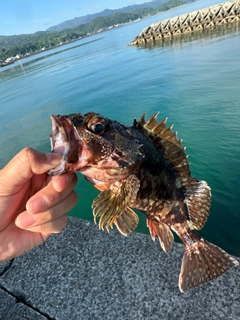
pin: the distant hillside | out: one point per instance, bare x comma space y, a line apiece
26, 44
73, 23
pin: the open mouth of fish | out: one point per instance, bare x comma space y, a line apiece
64, 142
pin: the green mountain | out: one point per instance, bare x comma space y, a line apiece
73, 23
26, 44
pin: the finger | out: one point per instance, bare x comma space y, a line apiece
26, 163
55, 226
48, 196
34, 222
60, 182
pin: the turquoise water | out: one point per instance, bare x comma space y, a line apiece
195, 82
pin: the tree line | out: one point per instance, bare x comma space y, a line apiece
10, 46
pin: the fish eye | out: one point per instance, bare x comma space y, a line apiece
98, 125
98, 128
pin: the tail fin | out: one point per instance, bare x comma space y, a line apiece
203, 262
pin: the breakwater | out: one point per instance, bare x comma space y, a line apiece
217, 15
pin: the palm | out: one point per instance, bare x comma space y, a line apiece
32, 204
21, 240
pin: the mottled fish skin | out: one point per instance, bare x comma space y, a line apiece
143, 167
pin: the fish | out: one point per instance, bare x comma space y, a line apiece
143, 167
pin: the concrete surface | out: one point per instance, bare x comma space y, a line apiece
84, 273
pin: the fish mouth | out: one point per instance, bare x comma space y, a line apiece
63, 142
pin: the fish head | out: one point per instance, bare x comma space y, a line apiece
99, 148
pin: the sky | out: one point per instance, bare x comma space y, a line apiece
29, 16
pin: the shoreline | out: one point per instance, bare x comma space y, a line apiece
4, 64
97, 32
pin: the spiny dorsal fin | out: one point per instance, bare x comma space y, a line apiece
198, 194
167, 142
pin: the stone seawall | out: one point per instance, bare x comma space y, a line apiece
207, 18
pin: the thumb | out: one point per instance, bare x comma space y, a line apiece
22, 167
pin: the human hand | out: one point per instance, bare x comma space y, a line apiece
33, 205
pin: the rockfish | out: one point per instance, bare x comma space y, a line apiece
144, 167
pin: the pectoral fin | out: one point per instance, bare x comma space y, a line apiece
112, 206
127, 221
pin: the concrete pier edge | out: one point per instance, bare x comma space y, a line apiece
85, 273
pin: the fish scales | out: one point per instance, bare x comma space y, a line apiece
144, 167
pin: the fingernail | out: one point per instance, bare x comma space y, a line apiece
54, 158
37, 205
25, 220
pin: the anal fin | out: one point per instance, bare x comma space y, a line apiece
162, 231
203, 262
